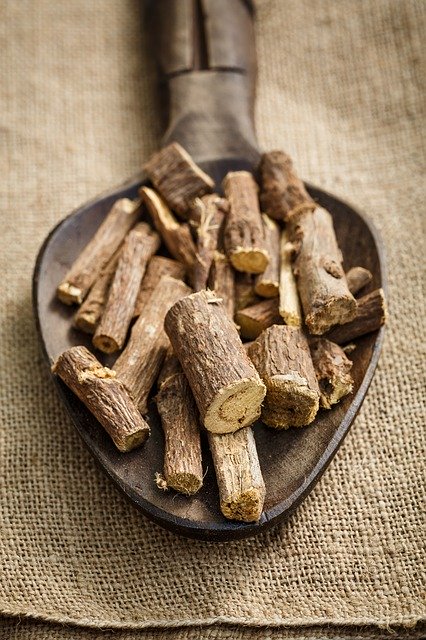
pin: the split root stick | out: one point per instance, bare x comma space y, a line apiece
208, 214
289, 298
221, 281
177, 237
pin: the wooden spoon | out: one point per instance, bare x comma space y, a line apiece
208, 61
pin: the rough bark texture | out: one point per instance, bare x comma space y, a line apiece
255, 319
282, 358
225, 384
177, 237
238, 474
90, 312
141, 360
208, 215
157, 267
171, 366
332, 369
244, 241
358, 278
178, 179
245, 295
268, 282
282, 191
371, 314
140, 244
323, 290
179, 416
221, 281
104, 395
290, 310
99, 250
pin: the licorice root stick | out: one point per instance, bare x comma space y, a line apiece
139, 245
268, 282
258, 317
180, 420
282, 192
321, 281
208, 214
244, 235
157, 267
104, 395
371, 314
177, 237
90, 312
357, 278
221, 281
332, 368
139, 364
282, 358
178, 179
238, 474
245, 295
225, 384
290, 310
96, 254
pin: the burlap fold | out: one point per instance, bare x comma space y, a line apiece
340, 90
20, 629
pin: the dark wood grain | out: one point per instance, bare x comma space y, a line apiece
291, 461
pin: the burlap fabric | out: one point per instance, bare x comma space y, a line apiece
339, 89
20, 629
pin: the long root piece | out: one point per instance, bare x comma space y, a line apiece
321, 281
244, 235
225, 384
179, 417
140, 362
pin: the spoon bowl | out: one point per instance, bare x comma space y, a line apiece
292, 461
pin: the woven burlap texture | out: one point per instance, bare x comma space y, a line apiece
339, 89
30, 629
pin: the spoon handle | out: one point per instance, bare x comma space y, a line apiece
206, 56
